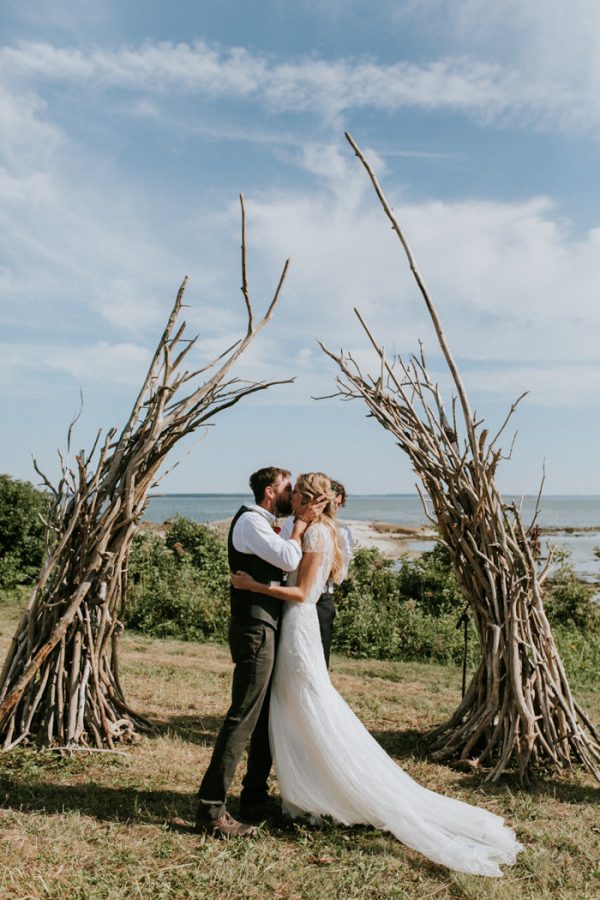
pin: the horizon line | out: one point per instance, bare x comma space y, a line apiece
354, 494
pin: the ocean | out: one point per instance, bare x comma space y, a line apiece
575, 520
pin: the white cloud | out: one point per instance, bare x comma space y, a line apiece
510, 280
74, 251
552, 49
74, 236
113, 364
26, 138
574, 386
521, 285
463, 83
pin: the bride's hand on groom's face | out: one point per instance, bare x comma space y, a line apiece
310, 511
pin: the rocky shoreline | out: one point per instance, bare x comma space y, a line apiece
395, 541
392, 540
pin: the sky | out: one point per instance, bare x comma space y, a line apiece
128, 131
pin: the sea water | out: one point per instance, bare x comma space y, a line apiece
575, 518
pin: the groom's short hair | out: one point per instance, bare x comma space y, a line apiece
261, 480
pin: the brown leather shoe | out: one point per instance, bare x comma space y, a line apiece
225, 827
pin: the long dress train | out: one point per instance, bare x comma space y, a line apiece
327, 763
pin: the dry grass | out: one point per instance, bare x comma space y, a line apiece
100, 825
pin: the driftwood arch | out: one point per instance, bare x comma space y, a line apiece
518, 709
60, 681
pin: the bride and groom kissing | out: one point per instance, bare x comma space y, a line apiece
285, 710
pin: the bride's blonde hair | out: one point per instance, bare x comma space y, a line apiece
317, 484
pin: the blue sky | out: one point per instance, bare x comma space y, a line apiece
128, 130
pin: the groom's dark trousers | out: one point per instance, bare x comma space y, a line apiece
252, 641
326, 614
252, 645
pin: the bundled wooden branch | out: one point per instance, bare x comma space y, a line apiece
60, 681
518, 709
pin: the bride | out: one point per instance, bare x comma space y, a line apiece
326, 761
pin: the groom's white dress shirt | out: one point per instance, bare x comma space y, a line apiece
346, 543
254, 533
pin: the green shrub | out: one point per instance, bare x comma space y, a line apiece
179, 586
409, 611
203, 548
579, 650
569, 601
22, 545
430, 581
399, 632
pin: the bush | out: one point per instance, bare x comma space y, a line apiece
430, 582
179, 586
580, 652
407, 612
204, 549
22, 545
570, 600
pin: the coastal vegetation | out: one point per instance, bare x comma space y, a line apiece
22, 507
126, 817
409, 610
178, 587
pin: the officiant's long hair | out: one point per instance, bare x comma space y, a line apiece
316, 484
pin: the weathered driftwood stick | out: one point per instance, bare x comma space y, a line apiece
518, 709
60, 683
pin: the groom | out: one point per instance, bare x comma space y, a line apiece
254, 546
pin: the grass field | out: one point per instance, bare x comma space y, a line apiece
108, 825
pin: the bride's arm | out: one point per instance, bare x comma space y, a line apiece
307, 573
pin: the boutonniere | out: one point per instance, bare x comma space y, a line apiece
275, 527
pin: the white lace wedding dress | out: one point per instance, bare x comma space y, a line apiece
327, 763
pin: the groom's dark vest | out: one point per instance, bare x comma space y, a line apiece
247, 603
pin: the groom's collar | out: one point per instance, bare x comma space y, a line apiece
253, 507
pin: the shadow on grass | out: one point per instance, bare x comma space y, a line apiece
542, 785
196, 729
401, 744
130, 806
118, 804
327, 835
203, 730
413, 744
566, 791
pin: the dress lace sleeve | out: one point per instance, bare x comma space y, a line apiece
314, 539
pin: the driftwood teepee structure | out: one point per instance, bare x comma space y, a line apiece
518, 709
60, 681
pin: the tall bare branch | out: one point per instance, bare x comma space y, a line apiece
518, 709
60, 683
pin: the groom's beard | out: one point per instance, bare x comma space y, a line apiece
283, 506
